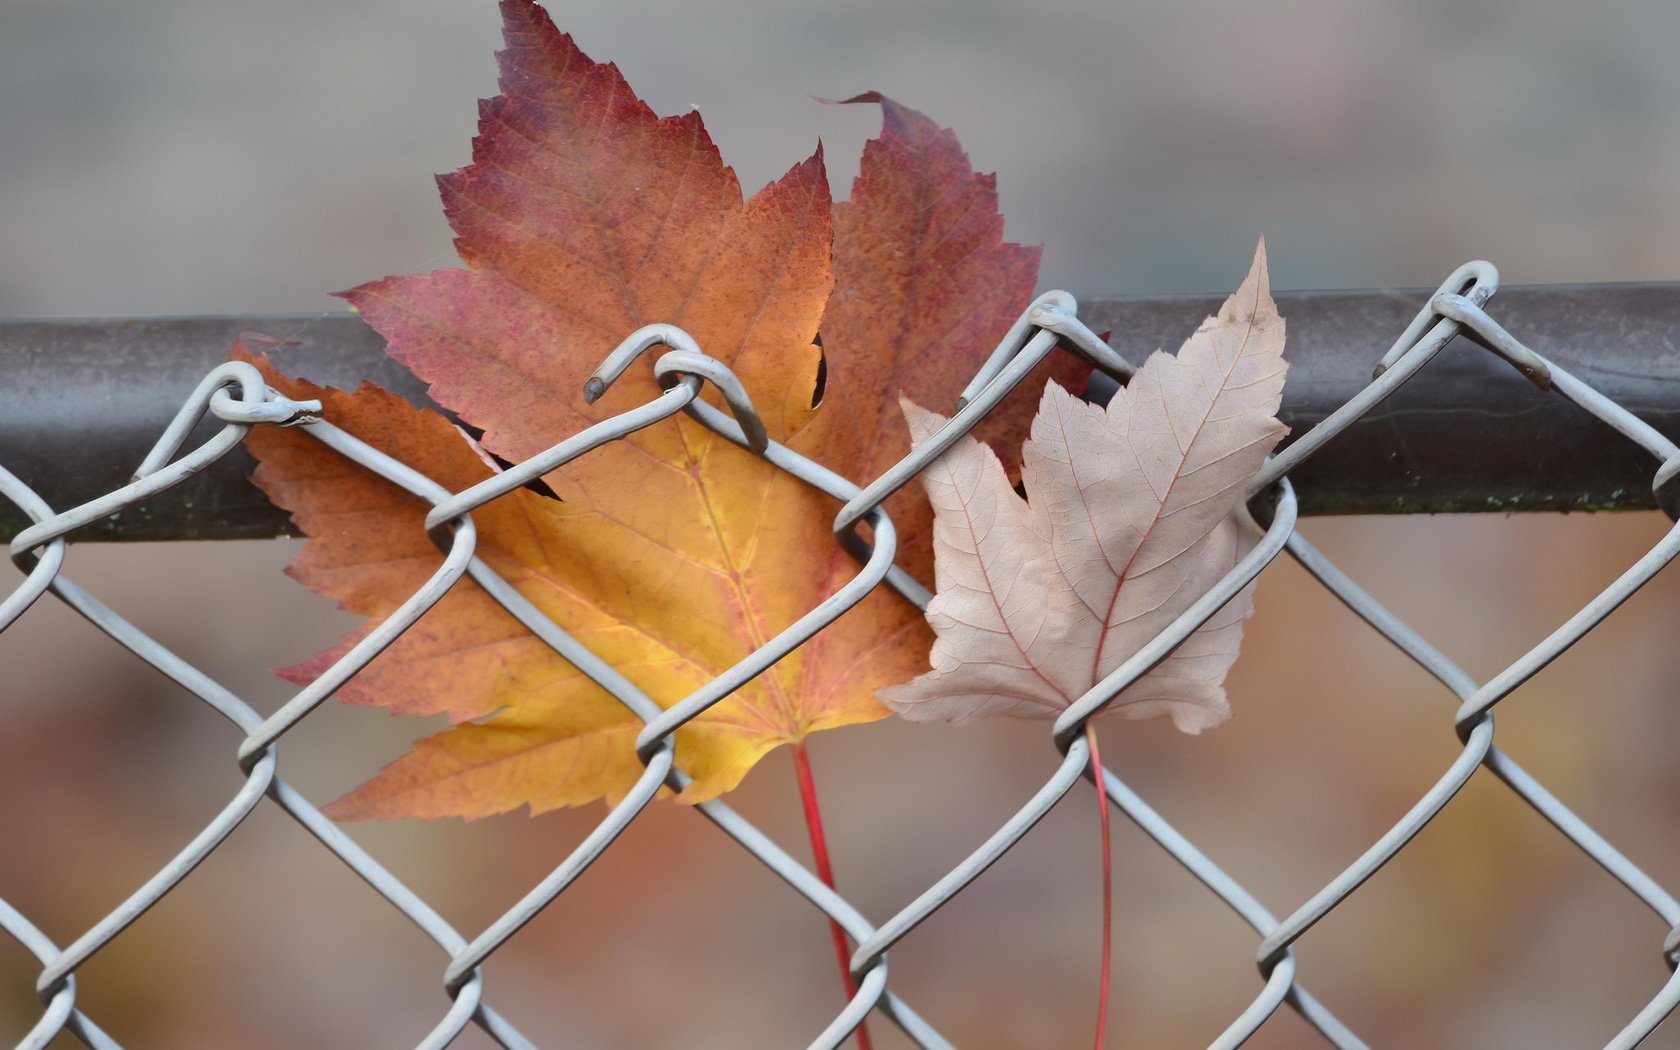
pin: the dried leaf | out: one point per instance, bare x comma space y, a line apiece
548, 735
924, 287
1133, 513
674, 554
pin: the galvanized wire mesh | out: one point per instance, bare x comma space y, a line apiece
234, 394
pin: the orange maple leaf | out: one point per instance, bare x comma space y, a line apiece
672, 553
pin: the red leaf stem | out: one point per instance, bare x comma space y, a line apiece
825, 872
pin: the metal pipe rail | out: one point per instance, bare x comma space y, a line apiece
1467, 434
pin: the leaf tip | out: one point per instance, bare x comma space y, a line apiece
866, 96
923, 422
1259, 271
355, 297
347, 809
1192, 719
254, 344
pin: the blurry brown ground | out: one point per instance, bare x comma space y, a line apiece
180, 157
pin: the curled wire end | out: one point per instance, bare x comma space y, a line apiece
1489, 334
758, 439
753, 434
206, 398
1049, 313
1056, 313
277, 410
298, 413
1474, 282
625, 354
683, 358
673, 365
1665, 488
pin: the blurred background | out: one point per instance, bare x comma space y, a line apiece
184, 156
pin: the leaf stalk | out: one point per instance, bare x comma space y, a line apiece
1107, 884
825, 872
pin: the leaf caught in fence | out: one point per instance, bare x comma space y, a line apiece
1132, 513
673, 553
924, 286
547, 735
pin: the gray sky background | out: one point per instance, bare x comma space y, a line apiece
193, 156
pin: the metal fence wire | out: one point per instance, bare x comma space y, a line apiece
235, 394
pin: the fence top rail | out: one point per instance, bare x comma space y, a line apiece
81, 400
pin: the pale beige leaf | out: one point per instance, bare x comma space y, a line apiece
1001, 612
1135, 511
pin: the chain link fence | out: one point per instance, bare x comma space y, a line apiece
235, 395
